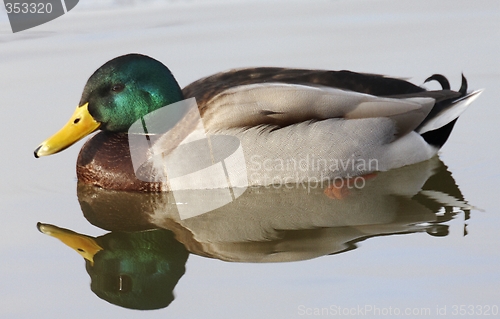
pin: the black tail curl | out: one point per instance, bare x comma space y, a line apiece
440, 136
445, 84
441, 79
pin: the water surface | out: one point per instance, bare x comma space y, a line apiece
389, 246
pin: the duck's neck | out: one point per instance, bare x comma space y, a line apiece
166, 93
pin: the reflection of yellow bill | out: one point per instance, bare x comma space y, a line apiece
79, 125
82, 244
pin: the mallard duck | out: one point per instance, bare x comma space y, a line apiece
327, 122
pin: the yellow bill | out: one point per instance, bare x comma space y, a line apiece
82, 244
79, 125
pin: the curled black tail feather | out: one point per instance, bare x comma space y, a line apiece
463, 87
445, 84
439, 136
441, 79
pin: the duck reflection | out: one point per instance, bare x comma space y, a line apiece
136, 270
150, 235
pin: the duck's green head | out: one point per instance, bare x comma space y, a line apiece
118, 94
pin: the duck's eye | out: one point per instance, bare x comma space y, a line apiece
116, 88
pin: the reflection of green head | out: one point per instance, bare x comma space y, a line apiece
137, 270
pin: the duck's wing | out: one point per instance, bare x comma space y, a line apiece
373, 84
280, 97
280, 105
